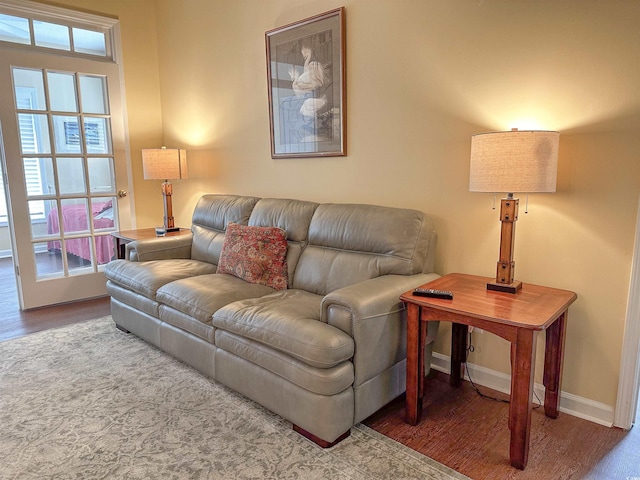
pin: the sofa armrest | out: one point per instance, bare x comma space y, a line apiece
161, 248
372, 313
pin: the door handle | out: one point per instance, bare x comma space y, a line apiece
122, 193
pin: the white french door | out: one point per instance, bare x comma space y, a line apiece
62, 129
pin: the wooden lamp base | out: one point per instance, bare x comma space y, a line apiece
506, 266
512, 287
167, 193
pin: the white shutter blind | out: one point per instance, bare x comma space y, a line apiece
3, 201
32, 174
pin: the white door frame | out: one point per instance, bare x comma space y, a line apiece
629, 385
124, 176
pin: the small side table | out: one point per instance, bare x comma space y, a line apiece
126, 236
515, 317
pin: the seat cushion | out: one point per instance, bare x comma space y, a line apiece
323, 381
146, 278
199, 297
288, 321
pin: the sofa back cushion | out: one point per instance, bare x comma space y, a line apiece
351, 243
292, 216
210, 219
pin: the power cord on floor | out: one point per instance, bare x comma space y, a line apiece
471, 349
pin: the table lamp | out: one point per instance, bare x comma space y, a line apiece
165, 164
523, 161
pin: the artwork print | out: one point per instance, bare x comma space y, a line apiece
305, 67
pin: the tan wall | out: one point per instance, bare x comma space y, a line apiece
422, 77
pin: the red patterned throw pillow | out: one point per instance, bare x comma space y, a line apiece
255, 254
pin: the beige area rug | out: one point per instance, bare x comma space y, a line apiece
90, 402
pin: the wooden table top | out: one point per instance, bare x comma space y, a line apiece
534, 307
146, 233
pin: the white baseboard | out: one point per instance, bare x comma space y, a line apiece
570, 404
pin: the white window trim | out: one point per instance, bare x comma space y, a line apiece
39, 10
65, 16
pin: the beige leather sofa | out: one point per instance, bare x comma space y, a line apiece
326, 352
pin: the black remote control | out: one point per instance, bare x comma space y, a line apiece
430, 292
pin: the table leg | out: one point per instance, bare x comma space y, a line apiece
415, 358
553, 356
459, 334
120, 248
424, 326
521, 390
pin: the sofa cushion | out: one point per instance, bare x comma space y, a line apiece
349, 244
132, 299
199, 297
293, 216
210, 219
288, 321
146, 278
185, 323
323, 381
256, 255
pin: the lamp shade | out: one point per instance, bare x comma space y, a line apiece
515, 161
164, 163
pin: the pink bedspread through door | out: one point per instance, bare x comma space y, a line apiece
74, 219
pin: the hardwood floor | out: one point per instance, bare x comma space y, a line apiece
459, 428
470, 434
15, 323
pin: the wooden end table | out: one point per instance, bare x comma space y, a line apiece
515, 317
123, 237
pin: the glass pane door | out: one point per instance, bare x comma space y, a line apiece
66, 152
63, 137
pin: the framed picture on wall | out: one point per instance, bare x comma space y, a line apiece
306, 81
